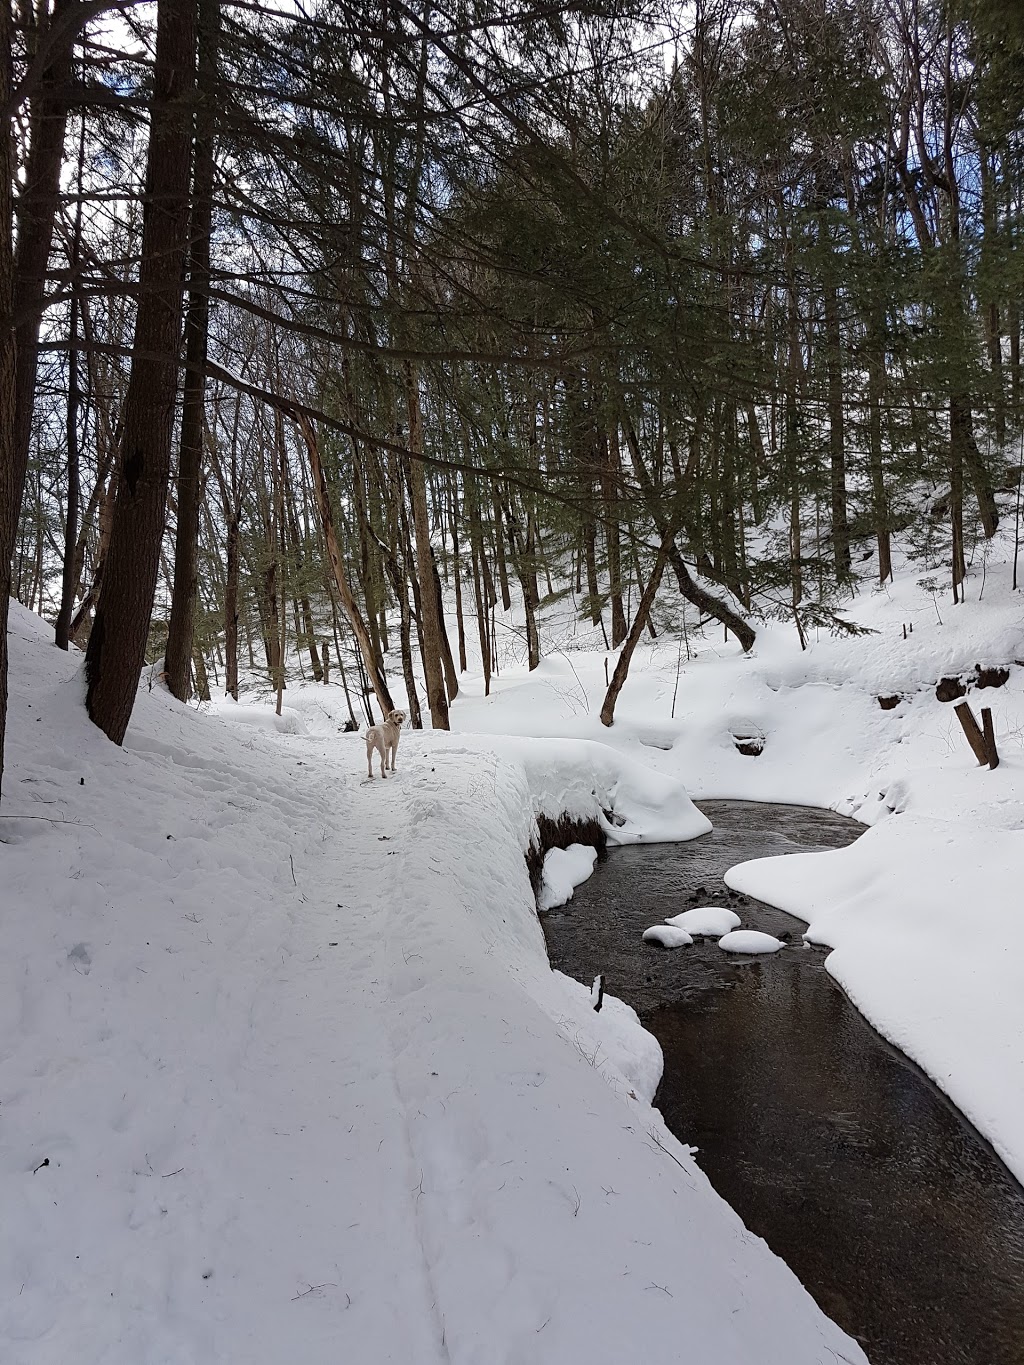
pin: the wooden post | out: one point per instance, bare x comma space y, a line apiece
990, 737
975, 738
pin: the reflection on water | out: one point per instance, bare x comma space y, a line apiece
892, 1210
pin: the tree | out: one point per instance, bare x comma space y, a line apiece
117, 645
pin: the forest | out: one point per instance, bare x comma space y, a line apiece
319, 317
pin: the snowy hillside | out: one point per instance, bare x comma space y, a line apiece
285, 1074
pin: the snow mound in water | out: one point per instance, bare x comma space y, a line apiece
667, 936
750, 941
564, 869
712, 921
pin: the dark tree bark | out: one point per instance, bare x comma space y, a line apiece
181, 626
430, 616
117, 645
836, 432
961, 425
62, 626
36, 210
9, 506
640, 619
879, 501
609, 473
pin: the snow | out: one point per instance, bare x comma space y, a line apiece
292, 1050
564, 870
289, 722
707, 921
749, 941
285, 1073
667, 937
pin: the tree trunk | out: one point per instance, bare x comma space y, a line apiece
373, 669
499, 548
961, 429
836, 434
453, 511
430, 618
231, 612
643, 612
879, 505
36, 210
117, 645
609, 474
451, 678
9, 506
183, 598
62, 628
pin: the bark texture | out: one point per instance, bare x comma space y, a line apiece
117, 645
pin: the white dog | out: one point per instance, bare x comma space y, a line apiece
384, 738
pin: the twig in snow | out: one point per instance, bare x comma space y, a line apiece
50, 819
313, 1288
652, 1134
45, 1162
291, 860
664, 1289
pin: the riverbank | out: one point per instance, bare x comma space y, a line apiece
891, 1208
923, 912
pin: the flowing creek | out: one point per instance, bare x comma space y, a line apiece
831, 1145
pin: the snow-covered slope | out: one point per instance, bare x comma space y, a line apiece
284, 1073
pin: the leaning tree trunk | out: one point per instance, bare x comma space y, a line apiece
117, 645
641, 618
705, 602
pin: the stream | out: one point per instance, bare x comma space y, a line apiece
833, 1146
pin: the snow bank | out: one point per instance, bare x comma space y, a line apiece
587, 780
564, 870
289, 722
928, 942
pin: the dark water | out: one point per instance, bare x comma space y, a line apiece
831, 1145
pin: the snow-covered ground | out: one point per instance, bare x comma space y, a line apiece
287, 1041
284, 1073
